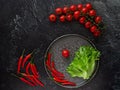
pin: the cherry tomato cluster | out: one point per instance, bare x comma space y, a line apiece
85, 14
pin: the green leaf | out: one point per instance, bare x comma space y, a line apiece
83, 63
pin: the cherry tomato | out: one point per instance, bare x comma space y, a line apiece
69, 17
62, 18
79, 6
88, 24
52, 17
93, 28
66, 10
73, 8
88, 6
58, 11
92, 12
65, 53
76, 14
98, 19
82, 20
97, 33
84, 10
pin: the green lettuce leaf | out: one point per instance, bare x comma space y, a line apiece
83, 63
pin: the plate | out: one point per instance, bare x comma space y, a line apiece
72, 42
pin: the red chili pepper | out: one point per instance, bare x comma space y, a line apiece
69, 83
48, 66
24, 80
55, 70
58, 74
60, 80
25, 59
30, 77
27, 68
49, 59
35, 70
31, 66
20, 62
38, 81
54, 75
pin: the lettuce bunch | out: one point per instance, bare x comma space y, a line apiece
83, 63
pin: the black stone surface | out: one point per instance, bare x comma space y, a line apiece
25, 24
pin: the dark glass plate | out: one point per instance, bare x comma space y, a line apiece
72, 42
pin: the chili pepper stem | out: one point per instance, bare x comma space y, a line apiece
23, 52
14, 75
31, 61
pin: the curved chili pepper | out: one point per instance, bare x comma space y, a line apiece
20, 62
38, 81
55, 70
25, 59
35, 70
68, 83
30, 77
31, 66
60, 80
27, 68
48, 66
58, 74
24, 80
49, 59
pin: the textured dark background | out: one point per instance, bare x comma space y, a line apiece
25, 24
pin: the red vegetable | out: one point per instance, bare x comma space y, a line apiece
38, 81
27, 68
25, 59
69, 17
88, 6
73, 8
20, 62
69, 83
52, 17
62, 18
30, 77
57, 75
34, 73
66, 10
60, 80
84, 10
80, 6
98, 19
58, 11
97, 33
93, 28
82, 20
88, 24
76, 14
49, 59
48, 66
65, 53
24, 80
92, 13
55, 70
35, 70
